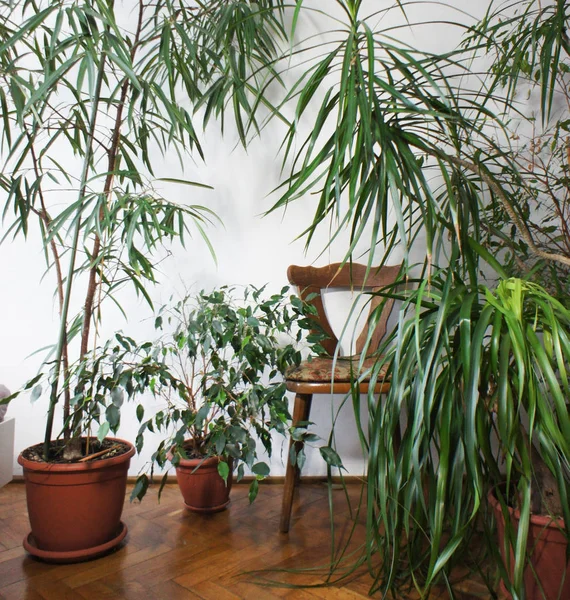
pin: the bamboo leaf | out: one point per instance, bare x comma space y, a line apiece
185, 182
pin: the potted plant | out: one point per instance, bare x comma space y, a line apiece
226, 354
492, 368
75, 505
409, 148
88, 98
480, 369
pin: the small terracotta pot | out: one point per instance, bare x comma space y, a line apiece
75, 509
202, 487
548, 557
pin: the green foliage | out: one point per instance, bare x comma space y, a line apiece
102, 381
529, 45
389, 124
226, 357
89, 97
416, 150
477, 375
441, 155
245, 39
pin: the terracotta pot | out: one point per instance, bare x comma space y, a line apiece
548, 557
202, 487
75, 509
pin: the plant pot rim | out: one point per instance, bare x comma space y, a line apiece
41, 466
540, 520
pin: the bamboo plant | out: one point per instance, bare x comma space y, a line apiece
92, 92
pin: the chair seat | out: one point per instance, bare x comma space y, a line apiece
320, 370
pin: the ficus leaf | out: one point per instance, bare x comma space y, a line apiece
301, 458
253, 490
117, 396
224, 470
103, 431
261, 469
140, 488
113, 416
331, 457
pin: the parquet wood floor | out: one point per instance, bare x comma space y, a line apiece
172, 554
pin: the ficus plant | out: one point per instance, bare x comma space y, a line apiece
225, 352
92, 91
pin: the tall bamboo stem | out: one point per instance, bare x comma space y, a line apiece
62, 338
107, 189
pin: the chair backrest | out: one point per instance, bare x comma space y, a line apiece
352, 276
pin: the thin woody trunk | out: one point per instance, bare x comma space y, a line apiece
66, 392
74, 450
62, 339
95, 281
47, 221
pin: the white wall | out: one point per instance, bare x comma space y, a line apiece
250, 249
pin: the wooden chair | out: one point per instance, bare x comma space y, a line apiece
316, 376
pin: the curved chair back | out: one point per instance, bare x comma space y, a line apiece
350, 276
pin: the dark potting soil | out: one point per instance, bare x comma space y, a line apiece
191, 452
115, 448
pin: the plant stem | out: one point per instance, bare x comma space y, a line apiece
60, 293
96, 267
107, 189
43, 214
503, 198
62, 338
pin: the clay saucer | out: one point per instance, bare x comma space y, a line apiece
74, 556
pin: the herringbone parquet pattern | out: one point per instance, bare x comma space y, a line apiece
172, 554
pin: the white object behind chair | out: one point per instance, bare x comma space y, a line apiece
4, 393
6, 441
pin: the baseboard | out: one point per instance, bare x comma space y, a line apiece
277, 480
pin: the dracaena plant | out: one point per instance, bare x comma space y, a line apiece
481, 378
226, 353
423, 153
91, 92
531, 52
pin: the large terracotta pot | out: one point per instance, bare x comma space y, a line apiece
75, 509
548, 557
202, 487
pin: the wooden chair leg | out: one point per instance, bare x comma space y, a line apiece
301, 411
